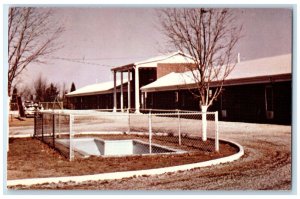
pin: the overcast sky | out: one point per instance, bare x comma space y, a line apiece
107, 37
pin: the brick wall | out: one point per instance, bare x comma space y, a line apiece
166, 68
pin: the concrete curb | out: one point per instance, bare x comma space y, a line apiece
21, 135
128, 174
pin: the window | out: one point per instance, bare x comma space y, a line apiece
269, 98
182, 99
269, 102
176, 96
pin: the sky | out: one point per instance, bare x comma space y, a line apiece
103, 38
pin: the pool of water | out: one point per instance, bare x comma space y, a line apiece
98, 147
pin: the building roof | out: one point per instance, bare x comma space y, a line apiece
94, 89
175, 57
281, 64
275, 68
172, 80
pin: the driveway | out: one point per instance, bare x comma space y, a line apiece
266, 165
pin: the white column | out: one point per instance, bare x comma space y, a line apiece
137, 90
115, 92
150, 132
145, 100
142, 100
122, 98
128, 90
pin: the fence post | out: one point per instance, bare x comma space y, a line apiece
53, 129
204, 122
179, 128
128, 115
58, 115
216, 131
71, 152
150, 132
42, 126
34, 131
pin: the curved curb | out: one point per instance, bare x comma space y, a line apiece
128, 174
21, 135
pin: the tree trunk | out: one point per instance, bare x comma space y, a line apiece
9, 88
8, 104
204, 122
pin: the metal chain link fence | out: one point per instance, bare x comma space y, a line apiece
52, 128
180, 130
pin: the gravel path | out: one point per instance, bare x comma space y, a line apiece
266, 165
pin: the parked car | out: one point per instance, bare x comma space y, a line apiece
31, 108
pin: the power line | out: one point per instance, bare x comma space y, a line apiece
110, 58
81, 62
85, 61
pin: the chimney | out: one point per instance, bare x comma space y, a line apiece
238, 58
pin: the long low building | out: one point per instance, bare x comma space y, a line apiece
255, 91
96, 96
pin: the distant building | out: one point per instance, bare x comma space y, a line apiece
95, 96
255, 91
117, 95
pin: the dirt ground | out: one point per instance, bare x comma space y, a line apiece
39, 160
20, 122
266, 165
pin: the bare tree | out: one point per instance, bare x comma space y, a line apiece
64, 91
26, 93
209, 37
40, 86
32, 35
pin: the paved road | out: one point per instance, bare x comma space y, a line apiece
21, 131
266, 165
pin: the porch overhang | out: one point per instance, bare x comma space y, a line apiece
124, 68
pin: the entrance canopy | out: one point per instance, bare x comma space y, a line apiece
176, 57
